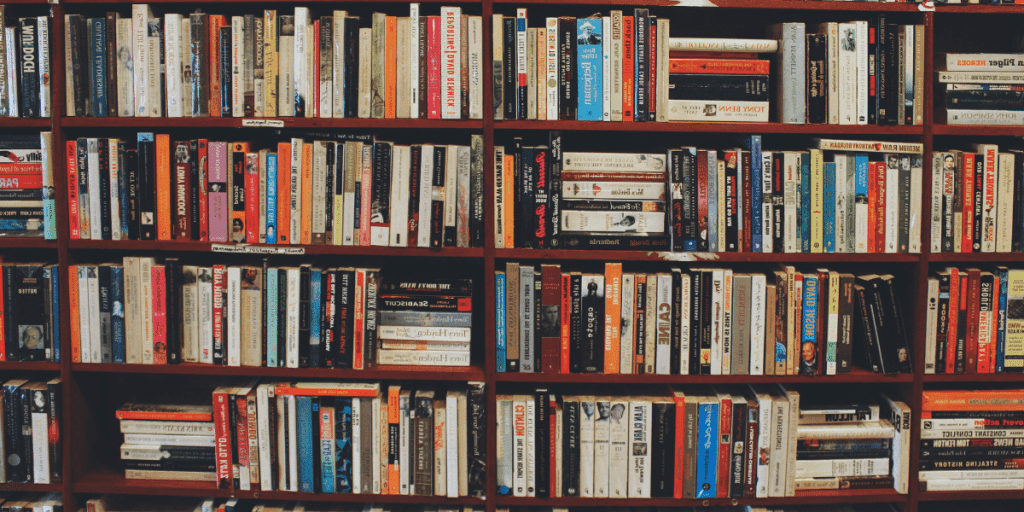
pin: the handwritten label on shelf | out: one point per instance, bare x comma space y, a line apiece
262, 123
256, 249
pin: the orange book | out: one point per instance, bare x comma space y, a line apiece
612, 315
164, 412
163, 186
969, 400
76, 334
509, 204
328, 389
237, 191
566, 321
307, 194
284, 190
390, 66
394, 417
216, 21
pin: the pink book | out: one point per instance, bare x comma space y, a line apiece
159, 315
252, 195
218, 191
433, 67
366, 180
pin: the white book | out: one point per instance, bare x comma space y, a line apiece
155, 71
140, 57
684, 323
451, 186
900, 415
295, 195
552, 68
717, 289
832, 32
519, 442
205, 314
69, 73
400, 168
791, 199
365, 52
639, 448
619, 455
663, 354
405, 469
185, 71
989, 187
531, 446
791, 441
96, 205
779, 423
426, 185
12, 73
602, 448
131, 309
661, 101
319, 203
146, 311
626, 327
848, 73
862, 70
840, 203
477, 73
293, 452
758, 317
451, 444
916, 190
587, 466
615, 65
43, 40
237, 58
338, 71
300, 60
286, 68
292, 319
767, 210
85, 333
233, 311
404, 79
764, 436
925, 476
932, 305
189, 314
937, 197
172, 55
973, 484
1004, 216
353, 164
95, 328
40, 437
115, 192
263, 434
842, 467
357, 445
451, 74
892, 203
606, 63
414, 62
125, 71
375, 418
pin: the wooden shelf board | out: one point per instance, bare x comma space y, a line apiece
26, 242
41, 366
969, 495
801, 498
420, 373
688, 127
340, 250
743, 4
236, 122
26, 487
976, 257
975, 377
857, 376
705, 257
986, 9
26, 122
980, 130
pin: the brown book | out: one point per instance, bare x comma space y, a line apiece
550, 328
821, 336
512, 316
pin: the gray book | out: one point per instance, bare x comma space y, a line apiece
851, 203
512, 317
791, 79
741, 297
366, 445
377, 66
526, 331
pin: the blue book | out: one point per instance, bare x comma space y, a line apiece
809, 324
753, 144
707, 450
304, 428
589, 64
343, 444
1001, 325
499, 321
805, 202
117, 312
712, 200
272, 293
52, 273
271, 198
829, 213
860, 199
98, 66
326, 453
315, 344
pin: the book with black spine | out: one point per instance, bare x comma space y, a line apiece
567, 68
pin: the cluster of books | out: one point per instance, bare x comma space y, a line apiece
971, 440
25, 67
142, 312
52, 502
838, 507
854, 73
976, 200
271, 65
326, 437
842, 196
31, 444
301, 191
27, 201
30, 312
696, 321
696, 443
121, 503
974, 321
984, 88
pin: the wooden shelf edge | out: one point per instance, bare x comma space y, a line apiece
705, 257
741, 4
26, 242
863, 377
697, 127
979, 130
802, 498
975, 377
26, 122
969, 495
339, 250
418, 373
28, 487
976, 257
289, 122
34, 366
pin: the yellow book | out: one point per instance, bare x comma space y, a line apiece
307, 194
163, 186
817, 201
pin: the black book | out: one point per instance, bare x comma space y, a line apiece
555, 189
110, 26
351, 91
476, 192
225, 73
893, 78
677, 315
329, 188
79, 63
415, 168
732, 196
146, 175
103, 147
567, 68
437, 202
1018, 196
194, 188
663, 447
778, 203
943, 315
897, 332
641, 38
540, 214
877, 324
13, 439
979, 200
691, 159
817, 82
28, 66
82, 148
696, 313
705, 323
422, 445
844, 349
380, 206
676, 210
233, 417
576, 324
328, 297
282, 317
131, 173
106, 333
476, 405
543, 444
522, 192
509, 33
570, 447
343, 310
264, 311
304, 271
317, 285
370, 314
738, 455
173, 282
592, 360
27, 313
56, 448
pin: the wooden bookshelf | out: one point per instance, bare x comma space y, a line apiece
84, 473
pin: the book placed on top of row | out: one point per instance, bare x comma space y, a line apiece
984, 88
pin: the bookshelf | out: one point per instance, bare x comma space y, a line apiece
87, 419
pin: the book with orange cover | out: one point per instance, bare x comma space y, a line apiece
394, 426
954, 317
163, 186
628, 59
216, 21
72, 163
76, 333
236, 233
390, 66
284, 190
350, 389
973, 400
307, 193
164, 412
699, 66
612, 315
566, 321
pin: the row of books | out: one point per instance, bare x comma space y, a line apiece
971, 440
142, 312
977, 200
30, 312
276, 65
974, 321
27, 200
325, 437
24, 66
859, 72
838, 507
52, 502
984, 88
122, 503
697, 321
841, 196
353, 190
698, 443
31, 444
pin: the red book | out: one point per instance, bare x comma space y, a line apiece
880, 205
219, 351
872, 204
973, 314
252, 192
566, 319
433, 67
357, 321
159, 315
954, 313
990, 364
550, 320
718, 66
241, 434
23, 180
284, 189
702, 200
725, 444
967, 200
221, 430
181, 193
204, 198
679, 474
72, 161
628, 70
747, 206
